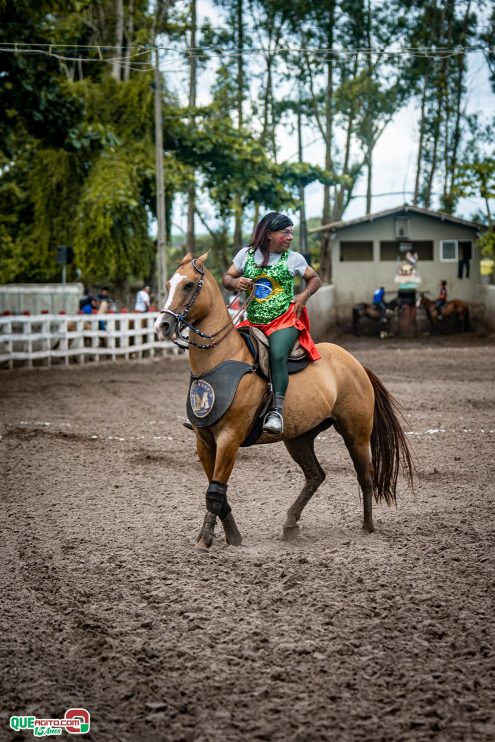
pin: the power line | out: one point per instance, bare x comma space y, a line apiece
50, 50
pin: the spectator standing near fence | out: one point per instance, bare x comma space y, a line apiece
104, 295
143, 300
87, 303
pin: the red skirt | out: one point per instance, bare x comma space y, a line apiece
289, 319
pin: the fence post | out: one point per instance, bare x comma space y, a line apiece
45, 343
110, 325
10, 344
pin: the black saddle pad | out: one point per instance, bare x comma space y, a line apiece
211, 394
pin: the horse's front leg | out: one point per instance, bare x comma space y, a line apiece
218, 459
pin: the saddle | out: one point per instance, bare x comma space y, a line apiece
258, 344
211, 394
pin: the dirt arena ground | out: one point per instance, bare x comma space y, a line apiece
338, 636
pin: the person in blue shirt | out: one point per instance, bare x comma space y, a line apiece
379, 303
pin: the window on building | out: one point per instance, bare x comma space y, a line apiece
356, 251
465, 250
402, 226
391, 250
448, 251
424, 248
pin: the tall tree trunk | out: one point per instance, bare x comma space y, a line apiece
130, 37
437, 121
325, 256
422, 125
191, 192
303, 237
447, 108
268, 135
256, 217
370, 144
340, 198
240, 119
440, 86
266, 96
369, 183
119, 39
461, 69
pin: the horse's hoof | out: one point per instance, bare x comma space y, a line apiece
367, 528
232, 534
234, 539
290, 533
201, 544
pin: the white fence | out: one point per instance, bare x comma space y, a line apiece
56, 338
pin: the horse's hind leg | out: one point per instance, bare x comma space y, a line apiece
302, 451
358, 447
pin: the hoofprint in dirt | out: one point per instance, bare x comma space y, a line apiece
337, 636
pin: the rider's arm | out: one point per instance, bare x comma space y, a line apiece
313, 281
312, 284
233, 280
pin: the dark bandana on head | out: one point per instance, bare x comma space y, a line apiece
279, 222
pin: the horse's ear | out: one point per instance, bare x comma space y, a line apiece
202, 258
186, 259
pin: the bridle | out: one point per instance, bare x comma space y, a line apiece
182, 323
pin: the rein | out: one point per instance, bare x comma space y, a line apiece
182, 323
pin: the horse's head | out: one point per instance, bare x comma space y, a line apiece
184, 296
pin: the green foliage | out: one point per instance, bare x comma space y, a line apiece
111, 219
77, 156
487, 244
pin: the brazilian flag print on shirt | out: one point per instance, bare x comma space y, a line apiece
274, 289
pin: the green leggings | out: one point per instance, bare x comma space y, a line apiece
281, 344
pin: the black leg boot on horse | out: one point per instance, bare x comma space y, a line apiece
217, 505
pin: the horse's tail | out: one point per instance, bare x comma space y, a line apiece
389, 446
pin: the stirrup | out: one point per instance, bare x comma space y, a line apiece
275, 425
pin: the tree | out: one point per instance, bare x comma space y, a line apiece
439, 78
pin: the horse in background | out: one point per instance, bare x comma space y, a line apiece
371, 311
333, 391
455, 308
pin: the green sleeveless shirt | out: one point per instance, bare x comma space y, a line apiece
274, 289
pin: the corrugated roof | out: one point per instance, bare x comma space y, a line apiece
405, 208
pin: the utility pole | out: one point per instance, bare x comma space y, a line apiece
160, 189
191, 191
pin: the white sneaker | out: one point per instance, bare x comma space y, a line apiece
273, 423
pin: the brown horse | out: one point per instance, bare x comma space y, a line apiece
455, 308
335, 390
370, 311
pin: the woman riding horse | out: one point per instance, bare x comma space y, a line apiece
333, 391
269, 265
455, 307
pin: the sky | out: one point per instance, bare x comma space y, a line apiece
394, 155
